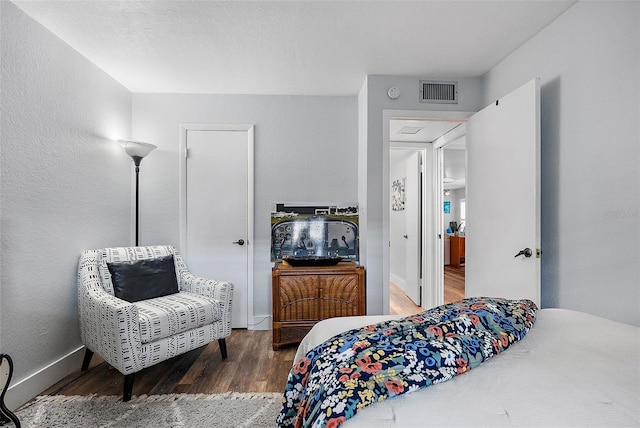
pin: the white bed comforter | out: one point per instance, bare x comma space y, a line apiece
572, 369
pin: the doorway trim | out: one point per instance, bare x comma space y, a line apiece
431, 295
182, 155
426, 151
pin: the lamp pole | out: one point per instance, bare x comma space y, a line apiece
137, 150
136, 161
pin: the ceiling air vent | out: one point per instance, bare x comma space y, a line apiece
432, 91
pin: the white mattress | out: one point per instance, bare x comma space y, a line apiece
572, 369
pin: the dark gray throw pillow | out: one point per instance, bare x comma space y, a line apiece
143, 279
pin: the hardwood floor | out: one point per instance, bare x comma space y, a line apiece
400, 304
453, 283
251, 366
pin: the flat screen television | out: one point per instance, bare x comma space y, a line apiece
318, 236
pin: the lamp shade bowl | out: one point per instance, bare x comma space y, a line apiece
137, 148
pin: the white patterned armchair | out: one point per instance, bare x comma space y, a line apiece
133, 336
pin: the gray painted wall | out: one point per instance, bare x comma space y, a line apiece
305, 151
588, 62
65, 187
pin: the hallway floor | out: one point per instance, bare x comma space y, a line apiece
401, 304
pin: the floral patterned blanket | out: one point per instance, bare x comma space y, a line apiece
363, 366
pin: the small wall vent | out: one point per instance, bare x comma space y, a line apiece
442, 92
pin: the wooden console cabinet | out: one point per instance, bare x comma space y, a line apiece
457, 251
304, 295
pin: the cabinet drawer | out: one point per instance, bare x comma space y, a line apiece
298, 298
339, 296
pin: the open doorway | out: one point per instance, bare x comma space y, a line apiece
409, 132
454, 219
406, 164
489, 135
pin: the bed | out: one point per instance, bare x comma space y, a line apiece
571, 369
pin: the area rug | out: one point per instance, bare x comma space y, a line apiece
157, 411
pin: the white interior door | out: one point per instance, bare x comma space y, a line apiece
503, 197
217, 235
413, 233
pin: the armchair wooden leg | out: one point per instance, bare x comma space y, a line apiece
223, 348
128, 387
88, 354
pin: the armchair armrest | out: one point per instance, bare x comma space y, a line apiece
108, 325
219, 290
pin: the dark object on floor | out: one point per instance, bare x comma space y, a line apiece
6, 371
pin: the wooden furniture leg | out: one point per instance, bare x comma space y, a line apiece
222, 343
128, 387
88, 354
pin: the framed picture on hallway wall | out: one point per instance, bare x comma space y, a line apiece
397, 194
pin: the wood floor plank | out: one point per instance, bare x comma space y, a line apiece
401, 304
454, 280
181, 369
197, 367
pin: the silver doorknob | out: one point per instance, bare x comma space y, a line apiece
526, 252
239, 242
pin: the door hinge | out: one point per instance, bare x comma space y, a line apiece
186, 152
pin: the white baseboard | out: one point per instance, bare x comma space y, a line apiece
260, 322
400, 282
30, 387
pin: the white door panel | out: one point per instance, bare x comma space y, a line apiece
217, 189
412, 235
503, 197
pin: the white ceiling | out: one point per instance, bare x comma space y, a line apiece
419, 130
289, 47
295, 47
455, 168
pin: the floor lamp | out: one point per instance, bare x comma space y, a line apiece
137, 150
